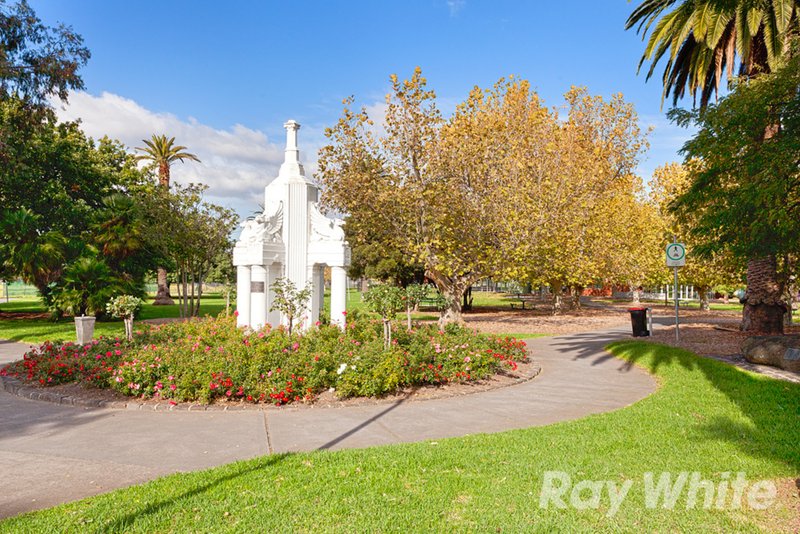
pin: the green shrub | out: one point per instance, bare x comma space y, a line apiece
207, 359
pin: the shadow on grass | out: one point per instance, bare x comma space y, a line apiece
772, 406
128, 520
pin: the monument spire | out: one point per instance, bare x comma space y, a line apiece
292, 153
291, 167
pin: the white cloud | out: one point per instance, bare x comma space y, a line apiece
236, 163
455, 6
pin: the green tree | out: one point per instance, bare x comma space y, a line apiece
190, 234
414, 295
87, 285
746, 192
37, 61
28, 252
289, 300
373, 257
163, 152
386, 301
705, 38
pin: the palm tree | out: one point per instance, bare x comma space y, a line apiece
701, 40
163, 152
706, 38
36, 257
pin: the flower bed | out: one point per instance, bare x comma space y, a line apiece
210, 359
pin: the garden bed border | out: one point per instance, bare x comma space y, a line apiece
18, 388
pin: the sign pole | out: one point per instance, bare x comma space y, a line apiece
676, 257
677, 328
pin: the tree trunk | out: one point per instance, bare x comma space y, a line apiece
467, 302
452, 289
763, 306
702, 292
575, 292
555, 288
162, 294
199, 295
128, 328
408, 317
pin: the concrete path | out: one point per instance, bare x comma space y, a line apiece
51, 454
11, 350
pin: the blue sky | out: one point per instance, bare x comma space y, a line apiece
224, 76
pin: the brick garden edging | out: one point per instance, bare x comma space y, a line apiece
16, 387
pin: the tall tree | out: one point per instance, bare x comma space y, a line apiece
163, 152
745, 194
37, 61
706, 38
401, 179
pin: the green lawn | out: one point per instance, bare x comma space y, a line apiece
38, 330
706, 417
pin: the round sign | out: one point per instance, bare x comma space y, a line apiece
676, 251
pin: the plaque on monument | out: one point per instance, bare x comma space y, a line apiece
256, 287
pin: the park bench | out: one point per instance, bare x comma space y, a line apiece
524, 298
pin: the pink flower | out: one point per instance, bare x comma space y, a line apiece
236, 313
173, 387
467, 359
295, 346
170, 377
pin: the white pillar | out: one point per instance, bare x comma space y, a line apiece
316, 293
258, 297
274, 272
321, 283
338, 295
243, 295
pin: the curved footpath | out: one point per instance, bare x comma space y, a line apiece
51, 453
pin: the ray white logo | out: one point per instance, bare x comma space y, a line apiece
684, 490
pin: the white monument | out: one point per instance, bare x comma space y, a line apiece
290, 239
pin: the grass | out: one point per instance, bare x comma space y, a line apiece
706, 416
38, 330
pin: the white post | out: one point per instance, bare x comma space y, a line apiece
313, 304
677, 322
338, 295
321, 282
258, 297
274, 272
243, 295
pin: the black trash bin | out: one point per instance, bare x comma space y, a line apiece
639, 322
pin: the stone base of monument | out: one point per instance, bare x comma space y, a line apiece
778, 351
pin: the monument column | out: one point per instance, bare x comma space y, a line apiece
338, 295
258, 297
243, 295
274, 272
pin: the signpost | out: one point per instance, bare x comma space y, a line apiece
676, 257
